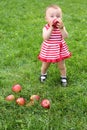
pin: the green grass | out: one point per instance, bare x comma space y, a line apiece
21, 23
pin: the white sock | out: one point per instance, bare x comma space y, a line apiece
63, 79
44, 74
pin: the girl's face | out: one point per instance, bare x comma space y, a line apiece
53, 13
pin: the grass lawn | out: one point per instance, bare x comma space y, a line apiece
21, 23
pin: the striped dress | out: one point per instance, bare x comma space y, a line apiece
55, 49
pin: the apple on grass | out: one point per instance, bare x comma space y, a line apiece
16, 88
20, 101
31, 103
10, 97
45, 103
35, 97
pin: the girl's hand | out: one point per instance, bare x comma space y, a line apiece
51, 24
60, 24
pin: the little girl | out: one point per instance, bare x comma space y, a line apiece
54, 48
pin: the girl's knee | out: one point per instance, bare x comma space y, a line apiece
45, 66
61, 64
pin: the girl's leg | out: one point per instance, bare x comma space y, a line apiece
44, 68
62, 68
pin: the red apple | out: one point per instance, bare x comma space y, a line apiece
20, 101
16, 88
31, 103
34, 97
45, 103
10, 97
55, 22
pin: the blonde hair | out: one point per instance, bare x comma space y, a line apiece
54, 6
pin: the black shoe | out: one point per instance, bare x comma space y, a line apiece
43, 77
64, 81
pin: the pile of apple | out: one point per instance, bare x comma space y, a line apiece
45, 103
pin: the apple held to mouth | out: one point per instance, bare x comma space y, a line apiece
45, 103
55, 22
20, 101
10, 97
16, 88
34, 97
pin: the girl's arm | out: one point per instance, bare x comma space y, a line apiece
46, 33
64, 32
62, 28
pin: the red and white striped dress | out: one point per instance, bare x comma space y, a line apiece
55, 49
